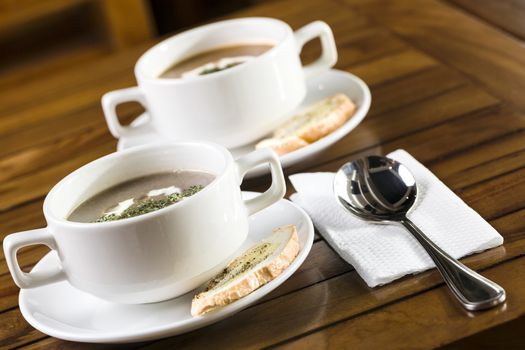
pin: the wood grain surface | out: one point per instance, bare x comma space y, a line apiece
447, 79
508, 15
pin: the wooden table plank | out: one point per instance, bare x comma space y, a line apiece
414, 87
507, 15
459, 168
500, 192
484, 53
318, 306
49, 65
429, 318
15, 331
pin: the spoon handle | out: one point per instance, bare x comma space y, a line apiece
473, 291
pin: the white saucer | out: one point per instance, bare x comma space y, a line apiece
319, 87
62, 311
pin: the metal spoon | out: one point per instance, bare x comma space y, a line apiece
381, 189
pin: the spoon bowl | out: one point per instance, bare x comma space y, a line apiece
381, 189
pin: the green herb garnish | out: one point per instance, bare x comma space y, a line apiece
149, 205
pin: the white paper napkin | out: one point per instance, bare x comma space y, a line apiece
382, 253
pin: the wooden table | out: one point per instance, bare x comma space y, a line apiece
447, 79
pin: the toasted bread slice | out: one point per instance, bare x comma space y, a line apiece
282, 145
318, 120
312, 124
254, 268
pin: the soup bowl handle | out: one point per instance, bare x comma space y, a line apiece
111, 100
16, 241
276, 190
328, 59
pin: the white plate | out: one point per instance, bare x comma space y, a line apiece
65, 312
321, 86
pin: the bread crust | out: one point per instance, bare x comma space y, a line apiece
283, 145
208, 301
318, 129
310, 125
